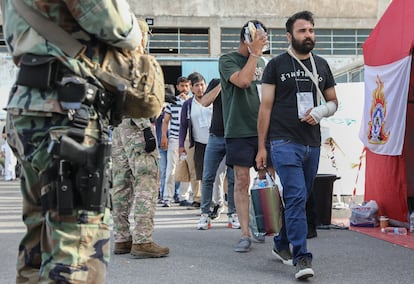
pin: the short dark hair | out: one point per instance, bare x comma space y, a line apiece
303, 15
255, 22
182, 79
195, 77
169, 89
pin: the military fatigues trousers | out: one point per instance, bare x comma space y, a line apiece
135, 182
67, 249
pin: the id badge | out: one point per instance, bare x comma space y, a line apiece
305, 102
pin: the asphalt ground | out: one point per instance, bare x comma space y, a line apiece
340, 256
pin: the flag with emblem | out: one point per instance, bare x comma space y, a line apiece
384, 127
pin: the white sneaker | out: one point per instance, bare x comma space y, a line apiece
204, 223
234, 221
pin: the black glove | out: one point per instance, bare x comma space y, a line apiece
150, 142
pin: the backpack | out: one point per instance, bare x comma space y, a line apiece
139, 75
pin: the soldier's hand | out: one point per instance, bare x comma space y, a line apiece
150, 142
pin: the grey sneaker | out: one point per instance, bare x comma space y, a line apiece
304, 269
284, 256
243, 245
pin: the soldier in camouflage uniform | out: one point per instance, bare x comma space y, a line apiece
70, 247
135, 186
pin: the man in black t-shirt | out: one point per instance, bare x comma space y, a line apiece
294, 84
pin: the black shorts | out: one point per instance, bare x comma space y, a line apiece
242, 152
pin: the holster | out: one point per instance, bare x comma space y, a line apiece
82, 176
79, 177
65, 191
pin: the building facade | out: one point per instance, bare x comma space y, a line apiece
190, 35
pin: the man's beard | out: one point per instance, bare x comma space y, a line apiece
303, 48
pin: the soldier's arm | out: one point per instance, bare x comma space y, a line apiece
111, 21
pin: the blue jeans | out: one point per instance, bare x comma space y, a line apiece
214, 154
296, 166
163, 170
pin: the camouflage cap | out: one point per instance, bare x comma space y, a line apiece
143, 26
145, 32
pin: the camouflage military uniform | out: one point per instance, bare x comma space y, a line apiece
135, 182
72, 248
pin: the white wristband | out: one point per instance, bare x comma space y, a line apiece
322, 111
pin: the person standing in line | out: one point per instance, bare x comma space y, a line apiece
195, 121
162, 155
240, 75
169, 98
135, 183
135, 180
293, 85
169, 139
67, 238
214, 155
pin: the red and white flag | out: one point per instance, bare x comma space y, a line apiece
383, 120
387, 59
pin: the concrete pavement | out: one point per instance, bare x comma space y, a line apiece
340, 256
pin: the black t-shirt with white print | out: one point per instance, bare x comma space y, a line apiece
288, 76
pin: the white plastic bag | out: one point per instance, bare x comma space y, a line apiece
365, 214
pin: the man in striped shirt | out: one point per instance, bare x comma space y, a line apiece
171, 125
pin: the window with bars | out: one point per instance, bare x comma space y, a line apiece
186, 41
329, 41
341, 41
196, 41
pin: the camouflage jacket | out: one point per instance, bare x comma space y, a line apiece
96, 23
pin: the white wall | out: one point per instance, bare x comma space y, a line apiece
234, 13
7, 75
344, 127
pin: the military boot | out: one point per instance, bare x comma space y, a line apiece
148, 250
123, 247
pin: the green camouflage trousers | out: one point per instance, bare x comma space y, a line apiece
135, 183
55, 249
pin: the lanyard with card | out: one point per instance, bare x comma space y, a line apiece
312, 75
305, 103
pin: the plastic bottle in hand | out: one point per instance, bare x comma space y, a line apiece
259, 183
261, 29
412, 222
